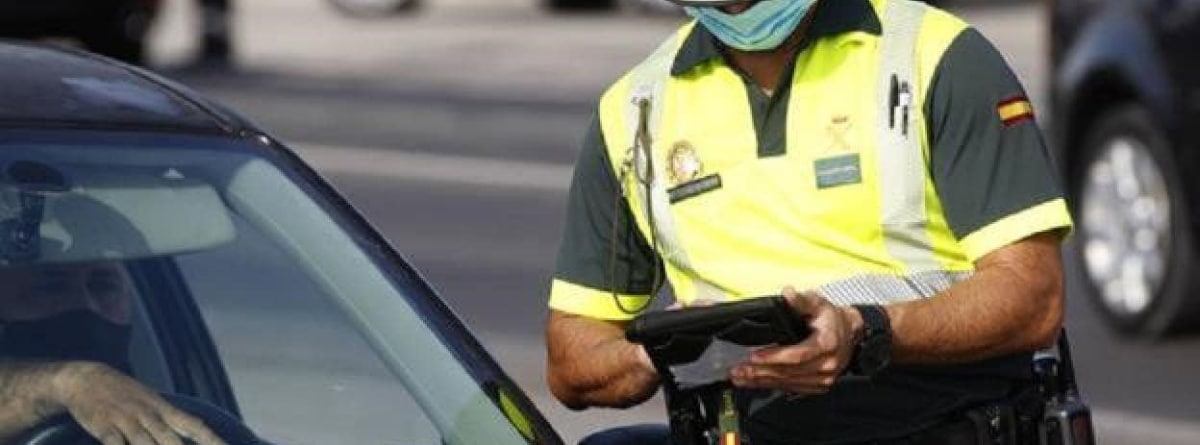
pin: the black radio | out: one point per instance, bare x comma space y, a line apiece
1065, 419
1067, 423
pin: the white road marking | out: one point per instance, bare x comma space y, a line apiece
1115, 427
380, 162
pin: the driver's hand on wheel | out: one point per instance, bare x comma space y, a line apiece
118, 410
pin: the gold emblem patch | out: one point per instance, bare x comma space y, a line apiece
839, 133
684, 163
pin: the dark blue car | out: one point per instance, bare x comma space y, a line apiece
1126, 109
260, 300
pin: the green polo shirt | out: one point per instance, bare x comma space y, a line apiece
988, 161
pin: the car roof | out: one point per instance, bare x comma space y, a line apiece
49, 86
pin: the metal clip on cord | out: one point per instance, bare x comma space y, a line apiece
643, 143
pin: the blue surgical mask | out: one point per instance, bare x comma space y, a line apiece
763, 27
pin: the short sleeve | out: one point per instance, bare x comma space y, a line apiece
602, 252
988, 159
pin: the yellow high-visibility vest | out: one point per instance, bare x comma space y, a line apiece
850, 208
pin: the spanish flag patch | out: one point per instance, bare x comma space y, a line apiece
1015, 110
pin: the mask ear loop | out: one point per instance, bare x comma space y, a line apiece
642, 144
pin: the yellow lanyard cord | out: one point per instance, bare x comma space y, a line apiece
641, 143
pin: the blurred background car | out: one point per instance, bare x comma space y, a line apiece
605, 5
255, 289
115, 28
374, 8
1126, 100
645, 5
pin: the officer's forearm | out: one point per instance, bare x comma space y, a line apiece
27, 395
1013, 303
589, 363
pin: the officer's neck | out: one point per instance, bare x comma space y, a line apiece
766, 68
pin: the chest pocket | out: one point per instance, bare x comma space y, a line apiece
832, 145
766, 204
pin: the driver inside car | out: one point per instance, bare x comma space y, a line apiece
64, 340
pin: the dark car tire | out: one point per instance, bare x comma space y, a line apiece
579, 5
1158, 248
375, 8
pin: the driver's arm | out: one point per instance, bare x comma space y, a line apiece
589, 363
112, 407
25, 395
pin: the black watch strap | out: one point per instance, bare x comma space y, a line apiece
874, 353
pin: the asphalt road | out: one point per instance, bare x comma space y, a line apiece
454, 132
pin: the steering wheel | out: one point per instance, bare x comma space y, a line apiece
64, 430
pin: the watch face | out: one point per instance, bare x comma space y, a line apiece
875, 351
875, 355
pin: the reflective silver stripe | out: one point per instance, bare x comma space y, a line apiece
887, 289
648, 82
901, 160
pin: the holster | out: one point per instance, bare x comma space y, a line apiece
995, 424
685, 413
1013, 421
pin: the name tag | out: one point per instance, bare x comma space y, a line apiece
838, 170
693, 188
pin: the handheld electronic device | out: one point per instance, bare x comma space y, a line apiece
682, 336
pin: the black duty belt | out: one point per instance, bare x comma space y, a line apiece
959, 432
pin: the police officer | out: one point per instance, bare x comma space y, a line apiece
875, 161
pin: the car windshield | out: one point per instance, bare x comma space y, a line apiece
249, 287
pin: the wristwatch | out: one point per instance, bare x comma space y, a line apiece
874, 352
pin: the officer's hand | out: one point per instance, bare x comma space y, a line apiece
117, 410
811, 366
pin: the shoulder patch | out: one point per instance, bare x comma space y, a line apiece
1015, 110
